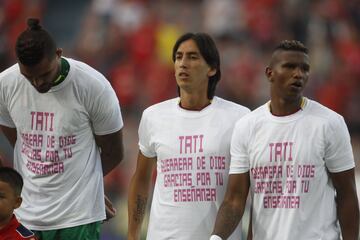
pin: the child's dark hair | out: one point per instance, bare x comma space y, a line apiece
13, 178
34, 44
292, 45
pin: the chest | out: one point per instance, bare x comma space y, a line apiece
291, 143
181, 136
53, 112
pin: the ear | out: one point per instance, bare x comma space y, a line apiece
212, 72
269, 73
18, 202
59, 52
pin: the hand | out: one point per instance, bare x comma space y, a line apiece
110, 210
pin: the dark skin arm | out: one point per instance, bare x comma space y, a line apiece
347, 203
112, 153
138, 194
249, 237
11, 135
233, 206
112, 150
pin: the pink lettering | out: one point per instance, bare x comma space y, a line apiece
52, 156
176, 164
278, 151
203, 178
181, 138
33, 140
195, 195
32, 120
178, 180
42, 121
217, 162
266, 172
201, 143
45, 168
191, 144
219, 179
271, 150
200, 162
281, 201
66, 140
188, 144
290, 186
290, 155
39, 120
305, 186
306, 171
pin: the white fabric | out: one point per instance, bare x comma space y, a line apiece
183, 141
55, 150
288, 158
215, 237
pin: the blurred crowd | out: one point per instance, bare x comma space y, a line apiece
130, 42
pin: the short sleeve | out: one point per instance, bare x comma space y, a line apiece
5, 118
338, 152
105, 112
240, 162
145, 140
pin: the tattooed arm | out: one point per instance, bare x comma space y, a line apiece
232, 208
138, 194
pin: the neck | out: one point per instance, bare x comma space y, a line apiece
193, 102
5, 222
281, 107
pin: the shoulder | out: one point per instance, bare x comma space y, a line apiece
257, 114
255, 118
88, 84
13, 70
231, 106
25, 233
323, 113
161, 107
86, 76
10, 75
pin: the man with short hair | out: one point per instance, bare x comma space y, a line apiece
295, 156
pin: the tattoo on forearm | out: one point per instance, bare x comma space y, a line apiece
227, 220
140, 208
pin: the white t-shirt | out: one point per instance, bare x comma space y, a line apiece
288, 159
55, 150
193, 158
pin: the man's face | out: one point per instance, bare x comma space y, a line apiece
43, 74
191, 70
8, 202
288, 74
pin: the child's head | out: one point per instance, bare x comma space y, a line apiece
11, 184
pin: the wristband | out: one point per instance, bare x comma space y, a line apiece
215, 237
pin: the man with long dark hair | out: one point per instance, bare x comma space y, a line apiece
187, 139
